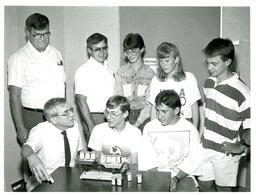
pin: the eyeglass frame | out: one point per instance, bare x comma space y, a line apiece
131, 51
41, 35
67, 112
100, 49
112, 115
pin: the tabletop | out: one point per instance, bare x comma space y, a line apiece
67, 179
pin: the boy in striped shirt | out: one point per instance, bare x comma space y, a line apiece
226, 133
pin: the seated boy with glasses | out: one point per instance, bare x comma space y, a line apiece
116, 136
45, 148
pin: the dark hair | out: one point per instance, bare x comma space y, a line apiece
222, 47
165, 50
118, 100
169, 98
37, 21
95, 38
133, 40
50, 107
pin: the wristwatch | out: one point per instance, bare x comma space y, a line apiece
243, 143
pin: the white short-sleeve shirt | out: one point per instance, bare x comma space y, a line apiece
187, 89
40, 75
103, 136
96, 82
48, 143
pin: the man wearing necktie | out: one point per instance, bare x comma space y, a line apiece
52, 143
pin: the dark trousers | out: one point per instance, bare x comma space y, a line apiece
30, 118
187, 184
98, 118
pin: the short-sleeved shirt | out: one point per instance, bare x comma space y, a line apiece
104, 138
48, 143
187, 89
134, 85
96, 82
227, 111
40, 75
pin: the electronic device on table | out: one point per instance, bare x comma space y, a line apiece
99, 169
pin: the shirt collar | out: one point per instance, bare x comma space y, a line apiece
234, 77
105, 63
34, 50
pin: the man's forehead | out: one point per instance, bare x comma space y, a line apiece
162, 106
113, 109
63, 106
213, 58
46, 29
100, 44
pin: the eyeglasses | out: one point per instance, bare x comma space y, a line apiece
111, 114
67, 112
131, 51
100, 49
39, 35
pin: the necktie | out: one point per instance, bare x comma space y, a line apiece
67, 149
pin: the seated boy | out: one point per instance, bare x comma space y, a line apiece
171, 144
116, 136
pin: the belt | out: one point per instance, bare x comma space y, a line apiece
33, 109
97, 113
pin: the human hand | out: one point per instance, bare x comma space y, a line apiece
124, 167
173, 184
232, 148
37, 168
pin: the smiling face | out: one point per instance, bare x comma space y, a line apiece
166, 115
64, 118
99, 51
133, 55
39, 38
115, 117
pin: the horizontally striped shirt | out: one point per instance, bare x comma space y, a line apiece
227, 110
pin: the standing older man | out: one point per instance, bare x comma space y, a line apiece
35, 75
94, 83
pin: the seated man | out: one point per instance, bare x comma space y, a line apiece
45, 149
116, 136
173, 143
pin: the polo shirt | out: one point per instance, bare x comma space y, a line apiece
227, 111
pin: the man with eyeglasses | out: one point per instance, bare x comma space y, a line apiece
171, 144
35, 75
94, 83
117, 135
44, 149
